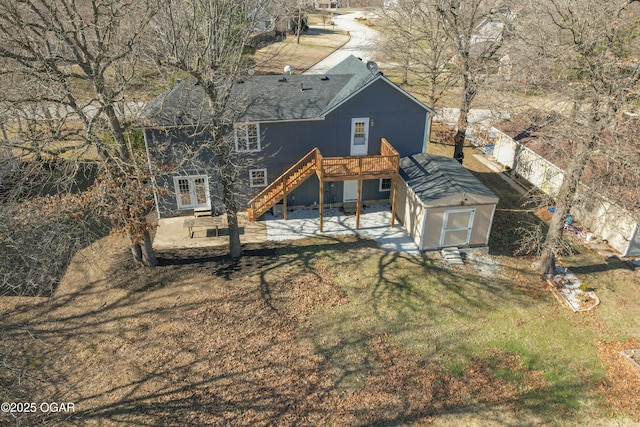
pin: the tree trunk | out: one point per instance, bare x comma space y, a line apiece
136, 251
235, 247
468, 93
143, 252
564, 202
554, 237
405, 71
231, 207
547, 263
148, 254
299, 30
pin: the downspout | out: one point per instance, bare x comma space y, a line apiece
427, 131
153, 178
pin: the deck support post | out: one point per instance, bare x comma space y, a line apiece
394, 190
321, 200
358, 205
284, 199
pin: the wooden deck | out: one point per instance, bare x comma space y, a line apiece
328, 169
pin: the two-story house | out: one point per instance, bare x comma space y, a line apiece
352, 113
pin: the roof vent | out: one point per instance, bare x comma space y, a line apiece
324, 78
288, 70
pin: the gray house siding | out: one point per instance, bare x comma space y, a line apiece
292, 122
392, 115
158, 143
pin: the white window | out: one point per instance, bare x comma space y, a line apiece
192, 191
257, 177
247, 137
385, 184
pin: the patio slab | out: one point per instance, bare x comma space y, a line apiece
301, 223
374, 224
172, 234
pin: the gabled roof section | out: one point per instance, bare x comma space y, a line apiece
361, 79
433, 178
269, 98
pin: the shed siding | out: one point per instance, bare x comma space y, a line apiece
411, 212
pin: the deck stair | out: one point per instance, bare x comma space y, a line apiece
286, 183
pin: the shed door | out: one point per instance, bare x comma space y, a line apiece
457, 226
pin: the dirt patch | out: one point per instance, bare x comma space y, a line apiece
623, 379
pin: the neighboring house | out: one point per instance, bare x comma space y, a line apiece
442, 204
327, 4
488, 41
337, 120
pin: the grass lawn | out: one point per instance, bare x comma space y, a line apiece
327, 331
315, 45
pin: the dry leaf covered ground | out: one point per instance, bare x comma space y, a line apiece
293, 334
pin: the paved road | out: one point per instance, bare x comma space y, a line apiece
361, 44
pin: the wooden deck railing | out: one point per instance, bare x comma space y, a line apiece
384, 165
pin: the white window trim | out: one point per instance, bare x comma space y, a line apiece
251, 183
246, 126
191, 179
381, 189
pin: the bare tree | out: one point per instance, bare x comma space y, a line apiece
74, 61
476, 43
588, 51
415, 39
206, 39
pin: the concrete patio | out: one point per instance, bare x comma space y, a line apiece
301, 223
173, 234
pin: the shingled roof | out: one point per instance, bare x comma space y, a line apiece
265, 98
439, 181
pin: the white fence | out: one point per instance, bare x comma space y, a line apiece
595, 212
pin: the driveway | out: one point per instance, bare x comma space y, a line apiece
361, 45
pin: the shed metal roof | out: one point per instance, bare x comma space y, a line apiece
439, 181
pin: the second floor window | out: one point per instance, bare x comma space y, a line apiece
247, 137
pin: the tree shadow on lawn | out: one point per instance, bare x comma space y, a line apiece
214, 345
